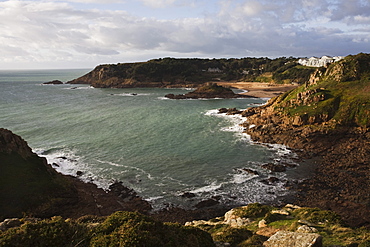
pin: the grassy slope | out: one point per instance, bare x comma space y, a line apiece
346, 89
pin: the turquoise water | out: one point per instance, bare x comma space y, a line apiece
159, 147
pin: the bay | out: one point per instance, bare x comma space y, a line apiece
159, 147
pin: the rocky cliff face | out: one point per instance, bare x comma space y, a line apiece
28, 185
328, 117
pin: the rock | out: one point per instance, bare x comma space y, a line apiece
79, 173
209, 91
262, 223
270, 180
207, 203
120, 190
280, 211
274, 167
250, 171
187, 195
55, 82
234, 220
229, 111
291, 206
294, 239
222, 110
306, 229
9, 223
11, 143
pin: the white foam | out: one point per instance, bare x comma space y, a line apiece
66, 162
236, 121
208, 188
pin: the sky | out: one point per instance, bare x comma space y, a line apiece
64, 34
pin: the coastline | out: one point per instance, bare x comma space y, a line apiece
259, 89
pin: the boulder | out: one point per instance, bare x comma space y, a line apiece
207, 203
274, 167
306, 229
294, 239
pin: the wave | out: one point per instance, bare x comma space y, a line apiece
66, 162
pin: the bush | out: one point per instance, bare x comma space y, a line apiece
253, 210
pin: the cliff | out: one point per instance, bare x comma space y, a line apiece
328, 118
30, 186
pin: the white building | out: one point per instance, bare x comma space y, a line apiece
318, 62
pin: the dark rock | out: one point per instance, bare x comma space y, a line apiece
222, 110
122, 191
250, 171
187, 195
79, 173
207, 203
55, 82
274, 167
208, 91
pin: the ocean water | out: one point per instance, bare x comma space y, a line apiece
161, 148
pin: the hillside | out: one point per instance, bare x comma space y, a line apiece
328, 118
30, 186
172, 72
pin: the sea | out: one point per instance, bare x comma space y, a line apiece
173, 153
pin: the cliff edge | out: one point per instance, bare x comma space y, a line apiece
30, 186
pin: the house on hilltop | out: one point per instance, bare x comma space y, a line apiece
318, 62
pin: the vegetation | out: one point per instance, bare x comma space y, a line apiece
325, 223
338, 94
173, 72
119, 229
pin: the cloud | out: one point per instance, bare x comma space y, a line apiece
51, 31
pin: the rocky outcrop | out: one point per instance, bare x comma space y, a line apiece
29, 185
294, 239
326, 120
289, 226
208, 91
14, 144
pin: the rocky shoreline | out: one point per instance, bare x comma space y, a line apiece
341, 180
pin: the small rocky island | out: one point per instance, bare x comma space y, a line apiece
208, 91
54, 82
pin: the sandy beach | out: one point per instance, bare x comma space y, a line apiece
259, 89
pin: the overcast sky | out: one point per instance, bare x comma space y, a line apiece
85, 33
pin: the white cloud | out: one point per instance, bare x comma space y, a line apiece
55, 31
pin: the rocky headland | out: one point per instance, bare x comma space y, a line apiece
191, 73
30, 186
327, 118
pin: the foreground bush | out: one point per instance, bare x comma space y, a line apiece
119, 229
